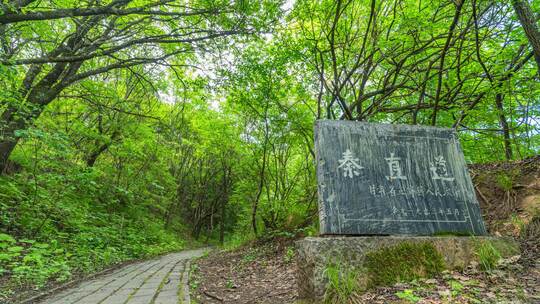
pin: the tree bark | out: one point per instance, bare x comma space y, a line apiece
37, 96
504, 126
222, 224
92, 158
224, 200
8, 138
528, 22
261, 182
259, 192
17, 118
12, 120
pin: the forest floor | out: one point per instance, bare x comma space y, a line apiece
261, 272
509, 195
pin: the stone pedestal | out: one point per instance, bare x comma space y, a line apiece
314, 254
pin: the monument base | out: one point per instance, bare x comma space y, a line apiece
315, 254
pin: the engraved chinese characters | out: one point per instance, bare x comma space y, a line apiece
392, 179
395, 168
349, 164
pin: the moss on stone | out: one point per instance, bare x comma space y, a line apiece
406, 261
452, 233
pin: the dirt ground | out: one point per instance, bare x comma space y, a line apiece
256, 273
509, 195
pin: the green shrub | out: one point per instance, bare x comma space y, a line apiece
403, 262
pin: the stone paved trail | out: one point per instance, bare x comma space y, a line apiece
159, 281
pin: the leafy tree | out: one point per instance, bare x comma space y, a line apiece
91, 39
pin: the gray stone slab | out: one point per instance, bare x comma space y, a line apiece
125, 291
134, 283
145, 292
167, 298
115, 299
93, 298
155, 281
117, 283
381, 179
71, 298
105, 289
171, 285
91, 287
143, 299
62, 295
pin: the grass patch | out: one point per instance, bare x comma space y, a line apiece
488, 255
343, 284
404, 262
506, 180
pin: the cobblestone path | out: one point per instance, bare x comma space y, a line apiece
159, 281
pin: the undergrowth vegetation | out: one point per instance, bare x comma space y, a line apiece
66, 224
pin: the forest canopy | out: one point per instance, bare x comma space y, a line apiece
130, 126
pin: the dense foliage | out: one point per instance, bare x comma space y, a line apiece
128, 128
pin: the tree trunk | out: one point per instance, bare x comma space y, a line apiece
222, 224
261, 174
91, 159
224, 200
527, 20
457, 14
12, 120
504, 126
37, 98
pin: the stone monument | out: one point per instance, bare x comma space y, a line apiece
382, 185
381, 179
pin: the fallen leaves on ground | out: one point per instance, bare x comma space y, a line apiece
510, 283
266, 274
252, 274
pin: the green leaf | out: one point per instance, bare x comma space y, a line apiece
41, 246
5, 257
6, 238
15, 249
